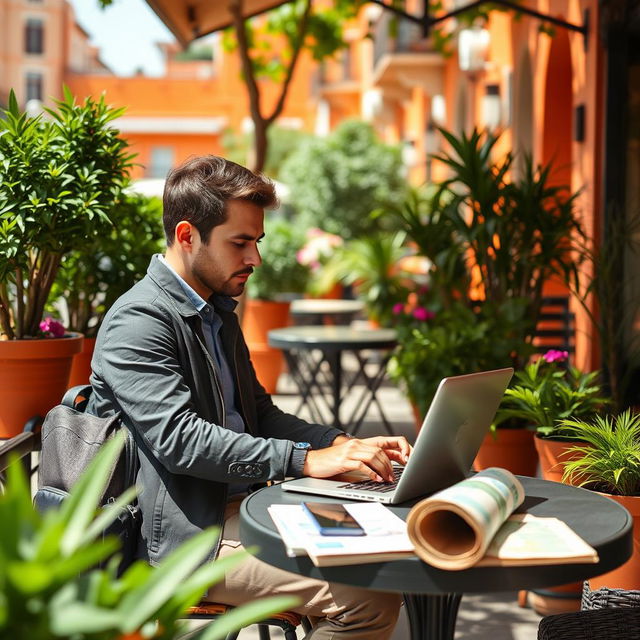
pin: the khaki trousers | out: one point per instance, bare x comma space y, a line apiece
342, 611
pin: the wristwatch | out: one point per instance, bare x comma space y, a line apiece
298, 457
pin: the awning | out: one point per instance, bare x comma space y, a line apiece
191, 19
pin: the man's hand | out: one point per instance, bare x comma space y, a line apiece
371, 456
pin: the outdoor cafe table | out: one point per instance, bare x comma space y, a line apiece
314, 356
318, 310
431, 595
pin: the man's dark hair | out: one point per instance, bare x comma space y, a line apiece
198, 190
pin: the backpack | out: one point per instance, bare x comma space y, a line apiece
70, 440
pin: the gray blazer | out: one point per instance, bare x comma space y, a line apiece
151, 364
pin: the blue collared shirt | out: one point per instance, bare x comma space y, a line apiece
211, 325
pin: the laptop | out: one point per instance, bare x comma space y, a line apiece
458, 419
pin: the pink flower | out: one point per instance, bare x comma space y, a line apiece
420, 313
52, 328
553, 355
397, 308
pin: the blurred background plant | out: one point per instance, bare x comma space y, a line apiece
337, 181
281, 274
371, 266
492, 242
317, 251
96, 273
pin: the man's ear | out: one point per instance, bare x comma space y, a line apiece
185, 235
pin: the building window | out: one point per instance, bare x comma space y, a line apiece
34, 36
162, 160
34, 86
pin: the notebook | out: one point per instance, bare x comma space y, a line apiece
451, 434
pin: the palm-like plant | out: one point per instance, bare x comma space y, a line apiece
609, 459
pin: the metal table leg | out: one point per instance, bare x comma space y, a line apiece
431, 616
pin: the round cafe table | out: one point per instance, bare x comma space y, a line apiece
319, 310
431, 595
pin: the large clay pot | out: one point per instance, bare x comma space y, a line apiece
34, 374
81, 365
510, 449
552, 454
260, 316
626, 576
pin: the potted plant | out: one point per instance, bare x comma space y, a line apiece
95, 274
372, 266
435, 342
318, 250
270, 290
50, 586
60, 178
545, 393
607, 459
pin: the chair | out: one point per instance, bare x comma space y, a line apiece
556, 325
287, 621
606, 613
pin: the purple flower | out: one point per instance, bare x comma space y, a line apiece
553, 355
420, 313
52, 328
397, 308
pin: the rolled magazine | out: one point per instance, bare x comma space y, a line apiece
470, 523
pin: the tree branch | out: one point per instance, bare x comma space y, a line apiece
297, 47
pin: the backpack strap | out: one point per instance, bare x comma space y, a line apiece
70, 398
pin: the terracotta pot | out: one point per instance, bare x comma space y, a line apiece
565, 598
34, 374
81, 365
260, 316
628, 575
552, 455
511, 449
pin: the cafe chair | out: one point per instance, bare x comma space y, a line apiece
592, 624
606, 598
287, 621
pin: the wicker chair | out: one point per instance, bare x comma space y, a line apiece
594, 624
287, 621
613, 614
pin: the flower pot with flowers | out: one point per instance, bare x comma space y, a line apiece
270, 289
59, 179
606, 458
315, 253
545, 393
96, 273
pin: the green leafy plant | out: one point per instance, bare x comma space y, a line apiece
451, 341
281, 273
546, 395
50, 588
337, 181
97, 273
608, 457
490, 238
59, 180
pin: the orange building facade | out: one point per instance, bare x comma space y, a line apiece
559, 98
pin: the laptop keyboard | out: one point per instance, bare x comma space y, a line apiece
372, 485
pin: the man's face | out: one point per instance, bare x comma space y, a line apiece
223, 265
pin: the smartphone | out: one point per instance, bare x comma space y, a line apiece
332, 519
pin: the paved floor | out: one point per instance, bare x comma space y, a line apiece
495, 616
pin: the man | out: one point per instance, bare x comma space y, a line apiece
170, 357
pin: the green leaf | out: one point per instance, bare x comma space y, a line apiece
141, 603
82, 618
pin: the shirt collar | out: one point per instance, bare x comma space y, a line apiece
224, 302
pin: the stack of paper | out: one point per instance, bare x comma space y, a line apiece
385, 536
